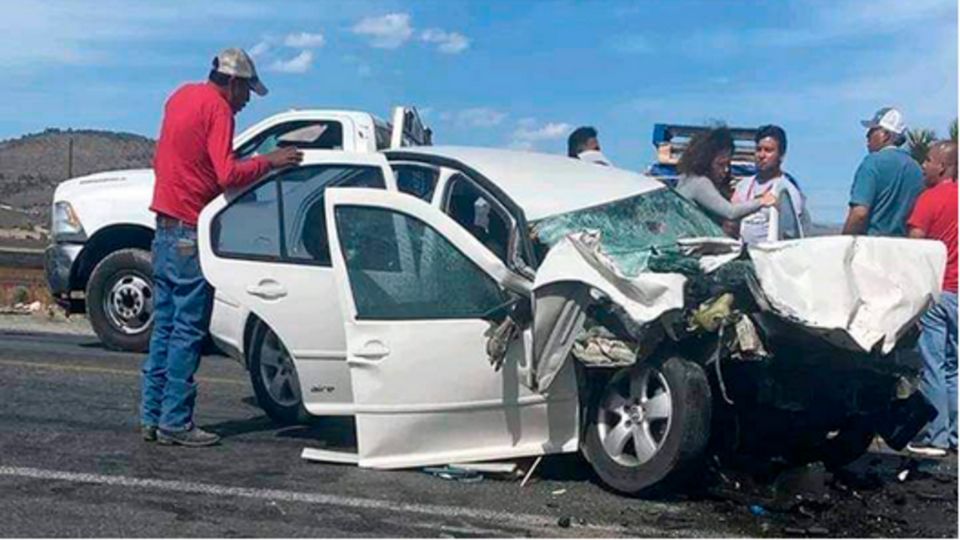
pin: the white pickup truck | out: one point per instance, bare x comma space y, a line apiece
102, 227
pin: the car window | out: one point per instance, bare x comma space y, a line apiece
304, 134
416, 180
304, 217
250, 226
479, 214
789, 227
444, 284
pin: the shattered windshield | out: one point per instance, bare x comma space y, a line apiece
632, 228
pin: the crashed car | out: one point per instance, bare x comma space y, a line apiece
468, 304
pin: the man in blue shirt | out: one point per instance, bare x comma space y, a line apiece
887, 182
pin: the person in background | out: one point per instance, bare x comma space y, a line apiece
887, 181
583, 144
771, 147
704, 165
935, 217
194, 163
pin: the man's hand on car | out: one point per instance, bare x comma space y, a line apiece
288, 156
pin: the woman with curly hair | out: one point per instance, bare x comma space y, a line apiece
705, 164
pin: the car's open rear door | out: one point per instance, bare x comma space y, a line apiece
420, 297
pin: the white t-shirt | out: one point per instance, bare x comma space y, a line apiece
755, 227
593, 156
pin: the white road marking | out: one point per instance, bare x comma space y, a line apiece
531, 521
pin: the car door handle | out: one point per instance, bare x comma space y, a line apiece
371, 350
267, 289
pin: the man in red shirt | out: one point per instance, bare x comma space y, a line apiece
935, 217
194, 163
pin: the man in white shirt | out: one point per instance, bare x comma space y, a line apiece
584, 145
771, 148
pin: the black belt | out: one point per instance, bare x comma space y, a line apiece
168, 222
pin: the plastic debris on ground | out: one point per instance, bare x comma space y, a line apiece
454, 473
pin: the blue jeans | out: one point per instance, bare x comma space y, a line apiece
181, 318
938, 346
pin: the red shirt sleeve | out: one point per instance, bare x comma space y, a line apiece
231, 173
921, 215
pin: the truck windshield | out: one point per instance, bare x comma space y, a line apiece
631, 228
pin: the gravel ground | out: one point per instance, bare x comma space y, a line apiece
44, 323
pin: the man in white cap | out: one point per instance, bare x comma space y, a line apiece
887, 182
194, 163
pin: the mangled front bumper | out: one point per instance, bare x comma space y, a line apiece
860, 294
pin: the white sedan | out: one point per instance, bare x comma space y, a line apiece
469, 304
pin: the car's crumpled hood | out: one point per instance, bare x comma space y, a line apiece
855, 292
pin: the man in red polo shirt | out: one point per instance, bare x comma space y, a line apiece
194, 163
935, 217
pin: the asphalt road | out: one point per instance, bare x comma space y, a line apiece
72, 465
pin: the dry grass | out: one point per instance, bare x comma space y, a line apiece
23, 285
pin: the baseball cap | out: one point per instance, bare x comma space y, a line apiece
237, 63
887, 118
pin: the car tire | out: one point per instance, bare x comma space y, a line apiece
119, 300
274, 378
666, 443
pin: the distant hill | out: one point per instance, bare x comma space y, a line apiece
32, 166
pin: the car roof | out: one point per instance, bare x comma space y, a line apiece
541, 184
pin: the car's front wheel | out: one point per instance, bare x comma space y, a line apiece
120, 300
274, 377
649, 425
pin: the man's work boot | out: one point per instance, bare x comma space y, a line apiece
149, 433
191, 437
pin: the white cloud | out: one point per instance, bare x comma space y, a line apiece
448, 42
482, 117
547, 132
528, 133
298, 64
304, 40
387, 32
260, 49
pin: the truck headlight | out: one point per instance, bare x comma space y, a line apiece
66, 225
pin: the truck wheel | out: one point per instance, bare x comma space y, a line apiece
120, 300
274, 378
649, 426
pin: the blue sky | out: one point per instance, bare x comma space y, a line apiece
514, 74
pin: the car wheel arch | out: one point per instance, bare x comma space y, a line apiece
104, 242
249, 328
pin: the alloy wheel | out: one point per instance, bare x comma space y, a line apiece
634, 416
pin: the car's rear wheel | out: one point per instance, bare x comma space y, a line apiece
120, 300
274, 377
649, 425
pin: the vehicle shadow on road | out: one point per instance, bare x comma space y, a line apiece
329, 431
234, 428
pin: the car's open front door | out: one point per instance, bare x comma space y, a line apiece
421, 296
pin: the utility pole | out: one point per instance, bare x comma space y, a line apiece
70, 157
